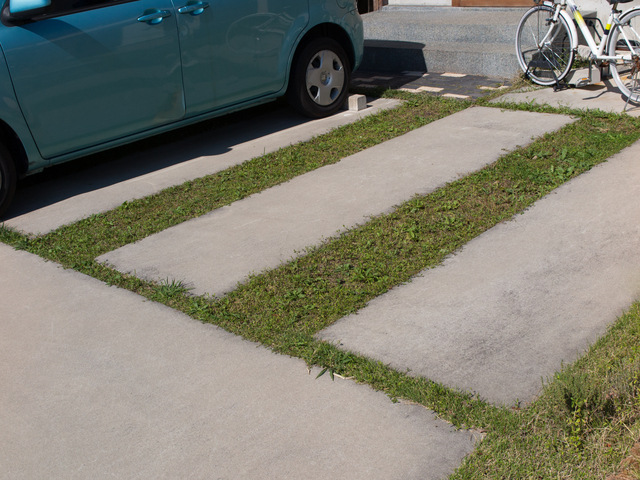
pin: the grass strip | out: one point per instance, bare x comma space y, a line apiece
338, 278
584, 424
283, 308
137, 219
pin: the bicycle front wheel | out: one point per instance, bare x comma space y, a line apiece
624, 41
544, 47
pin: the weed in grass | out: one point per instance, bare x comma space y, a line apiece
167, 290
584, 422
11, 237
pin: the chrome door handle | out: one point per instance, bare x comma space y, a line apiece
194, 8
153, 18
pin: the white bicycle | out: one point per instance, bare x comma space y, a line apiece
547, 42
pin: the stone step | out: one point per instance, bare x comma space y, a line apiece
491, 60
476, 41
443, 24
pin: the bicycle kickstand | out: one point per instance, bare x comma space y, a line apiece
557, 86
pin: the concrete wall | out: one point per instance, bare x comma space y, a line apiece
436, 3
601, 6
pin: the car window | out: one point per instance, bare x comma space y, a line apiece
66, 7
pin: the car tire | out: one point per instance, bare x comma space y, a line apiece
8, 179
319, 80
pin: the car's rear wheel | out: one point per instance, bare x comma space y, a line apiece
319, 79
8, 179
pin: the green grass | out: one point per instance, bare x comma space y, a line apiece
560, 435
582, 425
137, 219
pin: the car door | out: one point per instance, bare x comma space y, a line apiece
236, 50
92, 71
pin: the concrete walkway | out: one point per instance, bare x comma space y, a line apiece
216, 251
520, 299
99, 383
603, 96
477, 41
45, 207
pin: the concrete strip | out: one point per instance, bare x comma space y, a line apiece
215, 252
98, 383
604, 96
45, 207
520, 299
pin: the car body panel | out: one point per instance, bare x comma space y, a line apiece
84, 96
159, 130
11, 114
234, 51
251, 42
84, 78
196, 50
343, 13
352, 23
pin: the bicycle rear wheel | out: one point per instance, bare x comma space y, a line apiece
625, 40
549, 62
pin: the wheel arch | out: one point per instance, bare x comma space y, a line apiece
11, 141
327, 30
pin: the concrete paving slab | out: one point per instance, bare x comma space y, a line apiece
604, 96
520, 299
45, 207
215, 252
475, 86
98, 383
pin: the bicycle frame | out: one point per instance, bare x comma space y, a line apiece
553, 26
597, 51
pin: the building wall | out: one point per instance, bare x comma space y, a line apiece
603, 8
437, 3
600, 6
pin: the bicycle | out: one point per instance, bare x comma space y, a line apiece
547, 42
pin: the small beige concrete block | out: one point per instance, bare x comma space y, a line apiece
455, 95
357, 102
430, 89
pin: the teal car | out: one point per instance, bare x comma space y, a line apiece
79, 76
